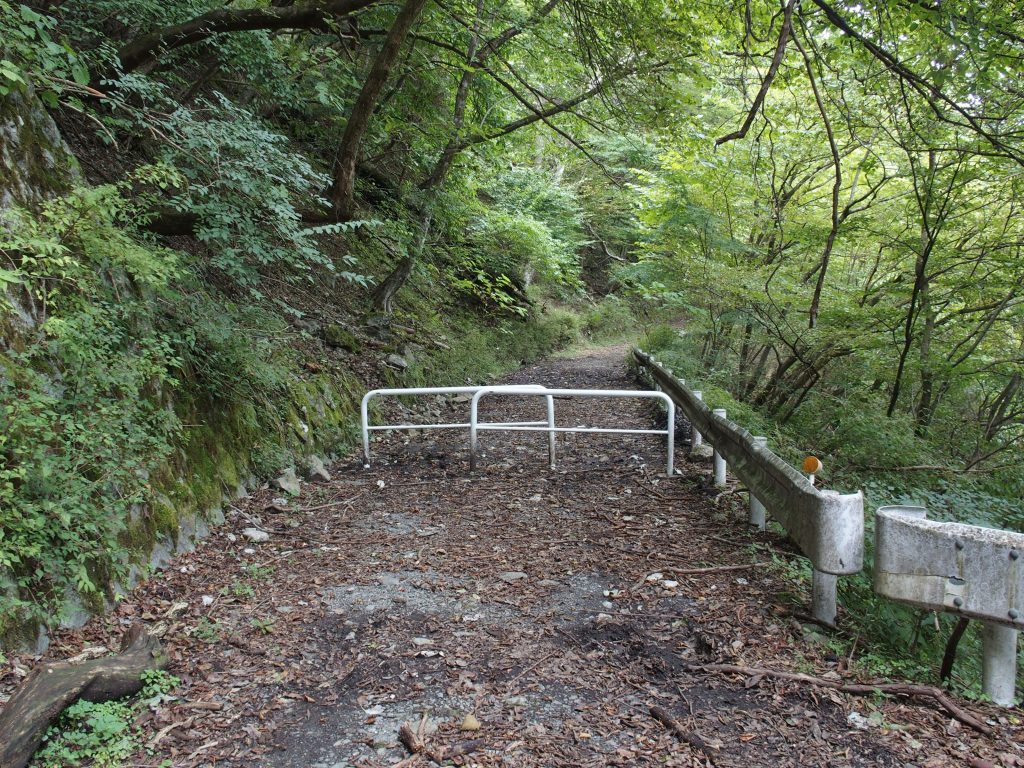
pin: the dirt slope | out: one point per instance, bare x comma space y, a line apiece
554, 607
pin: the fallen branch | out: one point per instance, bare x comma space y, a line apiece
410, 740
677, 730
51, 688
716, 569
858, 689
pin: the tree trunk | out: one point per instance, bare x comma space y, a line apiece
384, 296
929, 232
926, 402
51, 688
348, 151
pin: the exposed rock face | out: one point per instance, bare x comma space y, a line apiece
34, 160
339, 337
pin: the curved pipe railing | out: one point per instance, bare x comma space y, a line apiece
475, 426
364, 411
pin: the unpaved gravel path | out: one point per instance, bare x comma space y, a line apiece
553, 607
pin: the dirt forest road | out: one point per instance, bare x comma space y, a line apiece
514, 617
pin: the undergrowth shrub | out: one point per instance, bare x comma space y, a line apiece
101, 734
609, 320
547, 330
82, 417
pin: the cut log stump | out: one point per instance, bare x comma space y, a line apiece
51, 688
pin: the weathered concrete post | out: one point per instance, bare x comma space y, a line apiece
824, 602
719, 458
823, 596
696, 438
758, 514
998, 662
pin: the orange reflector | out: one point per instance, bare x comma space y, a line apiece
812, 465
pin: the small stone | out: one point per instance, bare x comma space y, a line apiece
548, 583
608, 605
670, 584
516, 701
287, 481
421, 641
249, 551
396, 361
316, 471
207, 600
654, 577
512, 576
255, 535
470, 723
232, 538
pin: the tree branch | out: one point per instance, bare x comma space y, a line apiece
780, 52
145, 49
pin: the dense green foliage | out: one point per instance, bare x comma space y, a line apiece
161, 307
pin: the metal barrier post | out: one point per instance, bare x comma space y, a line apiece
364, 417
998, 662
670, 438
719, 458
472, 434
758, 514
551, 431
696, 438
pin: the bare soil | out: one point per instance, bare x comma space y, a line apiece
554, 607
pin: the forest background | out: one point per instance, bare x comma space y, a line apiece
221, 221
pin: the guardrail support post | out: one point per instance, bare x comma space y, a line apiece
719, 458
758, 514
696, 438
551, 431
998, 662
823, 596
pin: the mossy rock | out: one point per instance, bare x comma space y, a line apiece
340, 337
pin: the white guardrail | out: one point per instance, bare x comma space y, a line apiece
474, 425
968, 570
964, 569
364, 411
